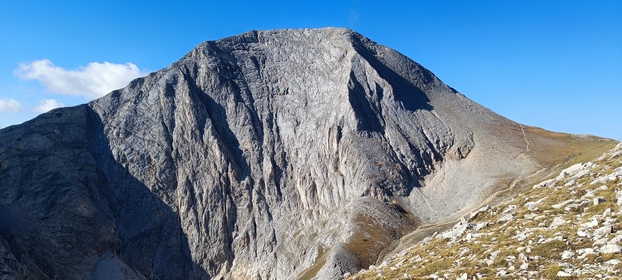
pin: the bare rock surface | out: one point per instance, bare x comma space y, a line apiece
267, 155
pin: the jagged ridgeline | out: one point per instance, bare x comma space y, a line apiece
269, 155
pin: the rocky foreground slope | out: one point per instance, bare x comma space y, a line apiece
568, 226
267, 155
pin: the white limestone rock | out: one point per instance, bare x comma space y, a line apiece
591, 224
258, 156
598, 200
610, 248
557, 221
532, 205
567, 255
601, 232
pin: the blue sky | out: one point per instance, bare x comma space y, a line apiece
552, 64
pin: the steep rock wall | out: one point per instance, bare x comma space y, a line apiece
268, 155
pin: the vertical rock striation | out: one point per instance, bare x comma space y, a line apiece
267, 155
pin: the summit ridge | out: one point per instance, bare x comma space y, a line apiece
268, 155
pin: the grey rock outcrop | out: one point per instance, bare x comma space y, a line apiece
268, 155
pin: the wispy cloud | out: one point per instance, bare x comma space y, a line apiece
9, 105
46, 105
91, 81
353, 16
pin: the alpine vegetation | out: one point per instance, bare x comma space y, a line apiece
279, 154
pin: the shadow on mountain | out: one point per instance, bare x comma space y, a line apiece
410, 96
149, 233
366, 111
217, 114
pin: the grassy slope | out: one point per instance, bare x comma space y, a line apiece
553, 152
528, 238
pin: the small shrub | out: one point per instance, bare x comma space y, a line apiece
551, 271
550, 250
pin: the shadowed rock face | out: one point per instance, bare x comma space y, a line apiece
268, 155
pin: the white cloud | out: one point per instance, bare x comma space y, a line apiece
91, 81
9, 105
353, 18
46, 105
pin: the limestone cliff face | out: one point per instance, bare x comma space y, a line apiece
268, 155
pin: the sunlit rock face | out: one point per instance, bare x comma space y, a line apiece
267, 155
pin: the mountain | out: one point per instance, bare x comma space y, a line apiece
268, 155
566, 226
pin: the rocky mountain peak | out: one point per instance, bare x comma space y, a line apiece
268, 155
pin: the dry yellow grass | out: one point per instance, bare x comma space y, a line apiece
528, 239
